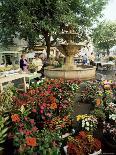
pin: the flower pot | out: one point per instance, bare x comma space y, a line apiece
96, 152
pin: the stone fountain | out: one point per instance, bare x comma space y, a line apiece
69, 70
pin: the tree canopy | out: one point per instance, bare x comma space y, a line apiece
29, 18
104, 36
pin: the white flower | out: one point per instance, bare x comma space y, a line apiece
112, 116
87, 128
87, 123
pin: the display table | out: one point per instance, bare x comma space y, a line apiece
11, 77
31, 76
109, 65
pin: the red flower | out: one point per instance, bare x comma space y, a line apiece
15, 118
31, 141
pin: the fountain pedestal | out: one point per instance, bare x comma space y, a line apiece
69, 70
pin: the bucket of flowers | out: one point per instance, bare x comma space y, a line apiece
87, 122
110, 112
109, 135
109, 128
82, 144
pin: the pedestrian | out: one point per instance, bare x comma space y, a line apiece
92, 59
23, 63
84, 59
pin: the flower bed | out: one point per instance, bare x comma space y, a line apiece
39, 118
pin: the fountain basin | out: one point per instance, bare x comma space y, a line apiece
82, 73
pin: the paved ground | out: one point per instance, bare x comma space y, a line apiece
106, 75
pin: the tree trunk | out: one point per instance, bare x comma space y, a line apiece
48, 43
108, 51
48, 47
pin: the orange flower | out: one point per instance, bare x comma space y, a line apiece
98, 101
31, 141
15, 118
53, 106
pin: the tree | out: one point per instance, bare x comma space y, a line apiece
104, 36
29, 18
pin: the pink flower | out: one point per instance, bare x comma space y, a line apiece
34, 110
21, 130
48, 114
32, 121
41, 111
27, 132
26, 118
34, 129
42, 107
21, 124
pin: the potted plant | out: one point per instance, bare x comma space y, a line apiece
82, 144
109, 135
87, 122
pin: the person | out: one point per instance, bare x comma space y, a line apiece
84, 59
37, 62
23, 63
92, 59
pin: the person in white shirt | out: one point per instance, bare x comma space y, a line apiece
85, 59
37, 62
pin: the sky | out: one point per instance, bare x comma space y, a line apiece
110, 11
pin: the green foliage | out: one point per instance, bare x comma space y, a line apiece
6, 101
104, 36
99, 114
50, 142
3, 131
29, 18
